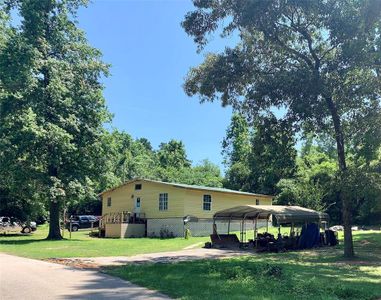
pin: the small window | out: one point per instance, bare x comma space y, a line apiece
163, 201
256, 202
207, 203
138, 186
109, 201
137, 202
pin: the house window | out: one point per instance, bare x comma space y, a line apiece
137, 202
109, 201
207, 203
256, 202
138, 186
163, 201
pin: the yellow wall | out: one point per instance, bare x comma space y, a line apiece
123, 199
181, 201
194, 202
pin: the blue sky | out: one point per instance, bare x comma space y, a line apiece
150, 55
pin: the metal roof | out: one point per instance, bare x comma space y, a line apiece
283, 214
188, 186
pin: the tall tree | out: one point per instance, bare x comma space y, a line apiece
52, 111
173, 154
272, 156
259, 156
236, 144
320, 60
236, 150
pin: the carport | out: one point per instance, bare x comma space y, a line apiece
282, 214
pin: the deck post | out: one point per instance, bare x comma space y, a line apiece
256, 231
267, 224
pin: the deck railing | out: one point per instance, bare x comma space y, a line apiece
122, 217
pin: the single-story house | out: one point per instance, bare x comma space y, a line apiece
143, 207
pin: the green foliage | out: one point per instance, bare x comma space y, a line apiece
236, 144
257, 158
126, 158
316, 185
313, 186
187, 234
363, 186
273, 155
318, 60
173, 155
52, 108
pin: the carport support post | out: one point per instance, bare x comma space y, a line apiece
292, 229
256, 231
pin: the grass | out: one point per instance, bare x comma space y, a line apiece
315, 274
82, 245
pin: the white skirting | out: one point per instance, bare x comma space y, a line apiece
202, 227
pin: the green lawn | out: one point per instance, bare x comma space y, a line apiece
81, 245
319, 274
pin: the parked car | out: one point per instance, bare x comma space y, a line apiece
81, 222
13, 225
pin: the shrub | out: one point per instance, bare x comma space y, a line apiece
187, 234
165, 233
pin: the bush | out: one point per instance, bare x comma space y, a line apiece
187, 234
165, 233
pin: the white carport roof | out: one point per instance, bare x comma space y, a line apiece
283, 214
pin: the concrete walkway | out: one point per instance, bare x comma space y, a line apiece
161, 257
23, 278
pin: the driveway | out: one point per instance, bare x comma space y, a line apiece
161, 257
23, 278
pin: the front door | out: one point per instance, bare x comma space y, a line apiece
137, 204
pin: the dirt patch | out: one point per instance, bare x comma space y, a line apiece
364, 242
197, 245
76, 263
358, 263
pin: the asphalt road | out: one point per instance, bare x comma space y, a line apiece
23, 278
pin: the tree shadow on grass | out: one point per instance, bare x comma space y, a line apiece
31, 241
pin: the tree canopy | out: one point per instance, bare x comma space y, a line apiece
52, 108
317, 60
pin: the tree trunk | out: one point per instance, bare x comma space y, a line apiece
54, 212
54, 221
347, 209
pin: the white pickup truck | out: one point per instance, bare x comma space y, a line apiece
10, 225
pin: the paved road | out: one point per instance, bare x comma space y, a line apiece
23, 278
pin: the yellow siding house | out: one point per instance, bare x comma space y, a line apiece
163, 206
